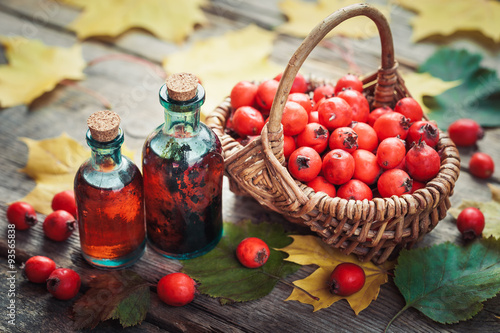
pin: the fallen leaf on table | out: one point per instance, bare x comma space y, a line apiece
122, 295
170, 20
310, 250
478, 95
220, 274
424, 84
52, 163
304, 16
34, 68
221, 62
448, 283
490, 210
445, 17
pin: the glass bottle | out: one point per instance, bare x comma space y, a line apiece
183, 168
110, 198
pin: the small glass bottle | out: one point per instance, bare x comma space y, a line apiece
110, 198
183, 168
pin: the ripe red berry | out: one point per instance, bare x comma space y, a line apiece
247, 121
302, 99
334, 112
64, 283
265, 94
65, 200
423, 131
422, 162
289, 146
391, 124
465, 132
22, 215
294, 119
366, 167
320, 184
367, 137
409, 108
304, 164
394, 182
176, 289
38, 269
243, 94
314, 117
348, 81
252, 252
346, 279
315, 136
356, 190
390, 153
470, 222
299, 84
481, 165
344, 138
59, 225
338, 166
358, 102
416, 186
325, 91
375, 114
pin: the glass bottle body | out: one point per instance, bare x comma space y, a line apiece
183, 170
110, 202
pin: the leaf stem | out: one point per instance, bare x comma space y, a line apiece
292, 285
397, 315
88, 91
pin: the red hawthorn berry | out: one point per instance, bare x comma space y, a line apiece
63, 283
394, 182
38, 269
338, 166
320, 184
346, 279
252, 252
243, 94
65, 200
176, 289
304, 164
465, 132
481, 165
409, 108
22, 215
470, 222
247, 121
348, 81
315, 136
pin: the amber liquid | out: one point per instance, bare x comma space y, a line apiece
111, 221
183, 203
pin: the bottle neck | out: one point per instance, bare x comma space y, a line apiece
182, 118
106, 156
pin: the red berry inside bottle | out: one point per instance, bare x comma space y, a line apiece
22, 215
65, 200
470, 222
252, 252
346, 279
59, 225
176, 289
38, 269
64, 283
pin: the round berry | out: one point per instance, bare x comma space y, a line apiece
377, 113
176, 289
38, 268
358, 102
423, 131
367, 137
303, 100
294, 119
338, 166
390, 152
243, 94
346, 279
22, 215
409, 108
59, 225
465, 132
65, 200
422, 162
320, 184
64, 283
289, 146
470, 223
366, 167
304, 164
299, 84
394, 182
265, 94
324, 91
391, 124
247, 121
481, 165
334, 112
356, 190
344, 138
315, 136
348, 81
252, 252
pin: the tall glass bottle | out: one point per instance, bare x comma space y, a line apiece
109, 197
183, 168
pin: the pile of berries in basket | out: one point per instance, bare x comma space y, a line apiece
335, 144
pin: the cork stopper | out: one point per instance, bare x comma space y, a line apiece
182, 86
104, 125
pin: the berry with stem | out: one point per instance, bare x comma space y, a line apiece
346, 279
22, 215
59, 225
252, 252
470, 222
64, 283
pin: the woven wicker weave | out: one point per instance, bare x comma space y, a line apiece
370, 229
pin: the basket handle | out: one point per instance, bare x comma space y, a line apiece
383, 92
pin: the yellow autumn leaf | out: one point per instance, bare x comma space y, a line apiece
170, 20
52, 164
310, 250
424, 84
304, 16
34, 69
220, 62
445, 17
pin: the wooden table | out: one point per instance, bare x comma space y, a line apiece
66, 110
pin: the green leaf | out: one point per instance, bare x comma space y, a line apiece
122, 295
220, 274
448, 283
477, 97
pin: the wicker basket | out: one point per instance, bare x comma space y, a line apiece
373, 229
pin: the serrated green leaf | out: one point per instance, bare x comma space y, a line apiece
477, 97
448, 283
122, 295
220, 274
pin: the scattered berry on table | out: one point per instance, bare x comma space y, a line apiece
59, 225
38, 268
22, 215
176, 289
63, 283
